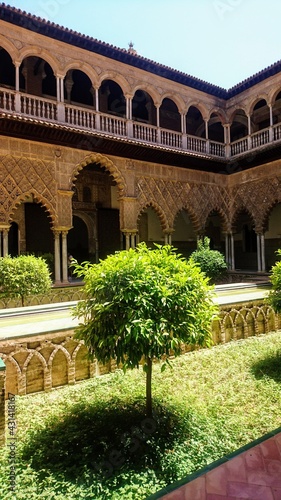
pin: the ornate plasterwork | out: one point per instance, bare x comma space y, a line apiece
21, 178
258, 197
169, 197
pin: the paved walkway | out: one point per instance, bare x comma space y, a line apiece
253, 473
32, 320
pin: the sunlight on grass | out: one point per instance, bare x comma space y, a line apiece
93, 441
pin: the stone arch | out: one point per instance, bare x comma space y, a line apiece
253, 103
60, 374
200, 106
81, 362
105, 162
85, 68
33, 50
158, 210
149, 89
240, 330
116, 78
191, 214
177, 100
12, 385
219, 113
37, 382
267, 212
234, 112
10, 48
38, 198
196, 223
218, 210
236, 215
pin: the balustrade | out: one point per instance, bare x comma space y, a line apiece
196, 144
217, 149
146, 133
260, 138
240, 146
172, 139
38, 107
77, 116
80, 117
7, 100
113, 125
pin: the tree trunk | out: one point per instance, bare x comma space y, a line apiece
148, 388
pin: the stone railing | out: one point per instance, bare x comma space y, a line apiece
30, 106
56, 295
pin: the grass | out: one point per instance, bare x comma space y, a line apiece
92, 440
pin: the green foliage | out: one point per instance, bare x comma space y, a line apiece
66, 439
211, 262
274, 297
23, 276
143, 303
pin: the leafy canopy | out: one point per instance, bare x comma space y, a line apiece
211, 262
274, 297
143, 303
23, 276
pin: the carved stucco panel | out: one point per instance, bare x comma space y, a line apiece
20, 177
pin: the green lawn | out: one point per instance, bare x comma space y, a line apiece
92, 441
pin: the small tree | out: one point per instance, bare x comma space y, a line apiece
274, 297
23, 276
211, 262
143, 304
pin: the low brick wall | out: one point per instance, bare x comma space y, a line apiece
46, 361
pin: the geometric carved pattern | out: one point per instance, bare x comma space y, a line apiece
20, 178
166, 197
258, 198
169, 197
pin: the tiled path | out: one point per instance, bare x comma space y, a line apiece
253, 473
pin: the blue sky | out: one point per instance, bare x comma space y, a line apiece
220, 41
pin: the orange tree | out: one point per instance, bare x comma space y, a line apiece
141, 305
23, 276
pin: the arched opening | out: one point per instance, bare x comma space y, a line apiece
260, 118
59, 369
7, 70
78, 88
149, 227
276, 109
96, 227
184, 236
37, 77
215, 128
31, 230
13, 239
143, 108
239, 125
111, 99
169, 115
213, 231
245, 242
195, 124
78, 240
272, 236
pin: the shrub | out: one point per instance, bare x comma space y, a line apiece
211, 262
143, 304
274, 297
23, 276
